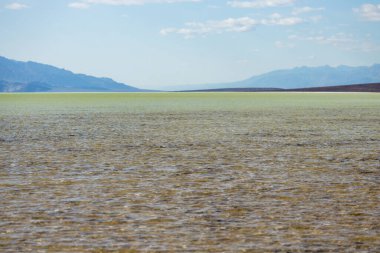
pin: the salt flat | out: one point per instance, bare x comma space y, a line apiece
189, 172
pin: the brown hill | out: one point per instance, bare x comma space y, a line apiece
370, 87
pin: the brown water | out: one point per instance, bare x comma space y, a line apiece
219, 180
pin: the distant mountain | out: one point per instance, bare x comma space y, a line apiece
17, 76
301, 77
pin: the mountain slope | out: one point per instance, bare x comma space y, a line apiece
31, 76
301, 77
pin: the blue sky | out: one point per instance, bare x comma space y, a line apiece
160, 43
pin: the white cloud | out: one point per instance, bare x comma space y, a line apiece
192, 29
242, 24
78, 5
315, 19
16, 6
277, 19
370, 12
260, 3
86, 3
306, 9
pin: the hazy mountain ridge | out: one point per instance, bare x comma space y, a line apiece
301, 77
18, 76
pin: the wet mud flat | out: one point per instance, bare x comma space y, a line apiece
190, 172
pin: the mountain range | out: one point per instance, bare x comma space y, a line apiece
300, 77
18, 76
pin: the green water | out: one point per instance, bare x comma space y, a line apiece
216, 172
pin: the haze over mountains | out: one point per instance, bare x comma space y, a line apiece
17, 76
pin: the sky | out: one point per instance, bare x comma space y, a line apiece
162, 43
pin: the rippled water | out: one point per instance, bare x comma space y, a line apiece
175, 172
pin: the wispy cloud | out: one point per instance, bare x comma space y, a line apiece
87, 3
16, 6
370, 12
242, 24
305, 9
342, 41
260, 3
281, 44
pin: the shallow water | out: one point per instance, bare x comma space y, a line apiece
203, 172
